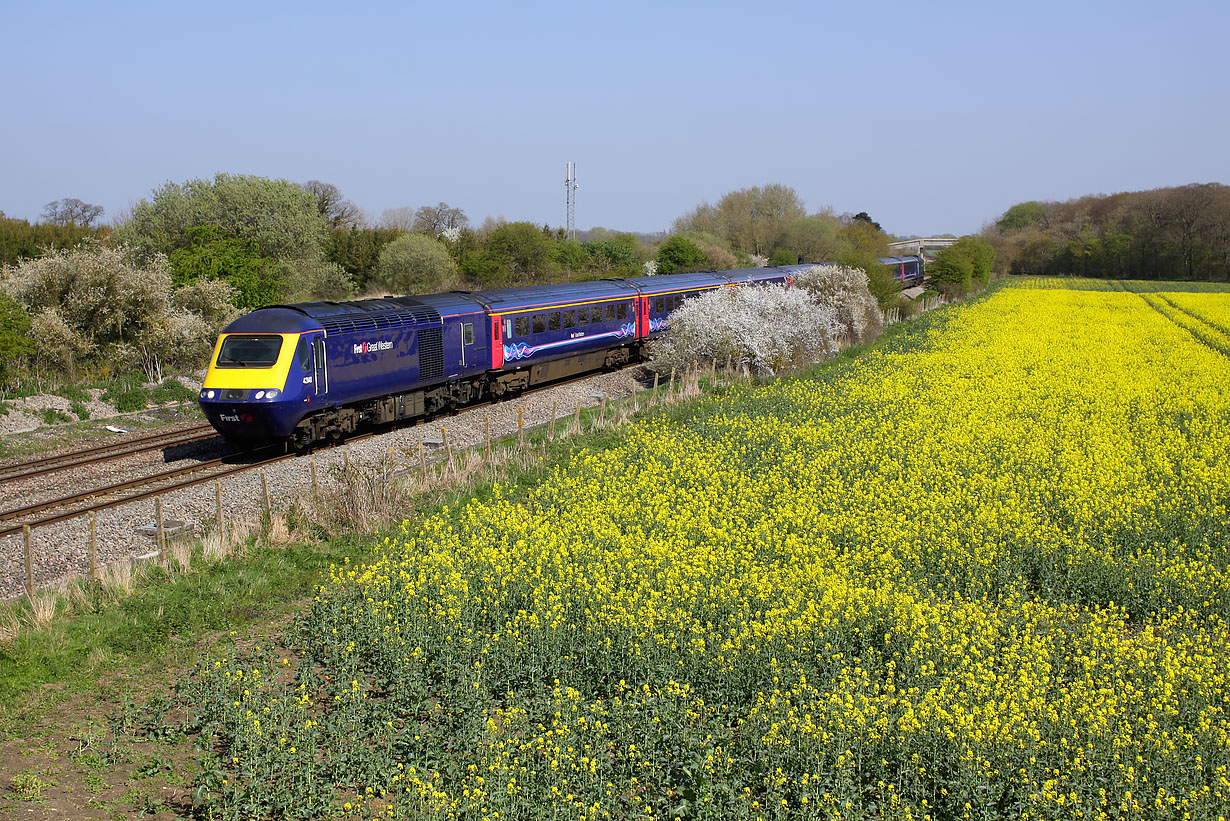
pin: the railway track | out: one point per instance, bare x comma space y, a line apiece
41, 466
147, 487
114, 495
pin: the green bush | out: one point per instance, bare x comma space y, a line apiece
51, 416
73, 393
80, 410
172, 390
678, 255
127, 395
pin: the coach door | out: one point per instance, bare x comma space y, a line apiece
467, 345
320, 375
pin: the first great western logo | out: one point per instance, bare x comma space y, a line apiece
372, 347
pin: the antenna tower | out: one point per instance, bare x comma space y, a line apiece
570, 186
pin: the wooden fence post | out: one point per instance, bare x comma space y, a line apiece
315, 488
162, 534
25, 536
577, 423
488, 439
423, 461
554, 411
520, 427
265, 493
93, 545
448, 450
655, 387
218, 508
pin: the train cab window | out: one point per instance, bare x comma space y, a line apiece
303, 355
570, 319
523, 326
249, 351
659, 305
467, 333
540, 323
622, 311
583, 316
553, 321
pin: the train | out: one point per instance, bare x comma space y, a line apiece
309, 372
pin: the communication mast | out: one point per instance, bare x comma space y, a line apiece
570, 187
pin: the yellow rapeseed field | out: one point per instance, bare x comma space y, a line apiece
980, 572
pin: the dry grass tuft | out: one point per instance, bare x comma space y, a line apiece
119, 579
9, 628
278, 532
180, 552
43, 609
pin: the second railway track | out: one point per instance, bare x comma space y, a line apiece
44, 465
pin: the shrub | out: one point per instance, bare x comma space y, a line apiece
100, 291
172, 390
63, 346
126, 396
53, 416
845, 292
768, 328
15, 341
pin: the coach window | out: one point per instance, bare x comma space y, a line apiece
622, 311
583, 316
608, 313
540, 323
467, 333
522, 326
659, 305
553, 321
570, 319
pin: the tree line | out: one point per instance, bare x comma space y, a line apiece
1177, 233
189, 257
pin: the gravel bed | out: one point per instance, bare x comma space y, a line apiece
60, 551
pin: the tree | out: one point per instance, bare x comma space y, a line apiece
815, 238
21, 240
679, 255
71, 211
750, 219
432, 219
357, 250
1022, 215
338, 211
863, 216
401, 219
513, 252
415, 264
956, 267
282, 218
213, 254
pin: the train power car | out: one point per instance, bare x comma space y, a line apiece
317, 370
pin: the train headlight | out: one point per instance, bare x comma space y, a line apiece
272, 393
258, 395
209, 394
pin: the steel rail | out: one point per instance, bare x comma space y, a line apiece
202, 466
102, 453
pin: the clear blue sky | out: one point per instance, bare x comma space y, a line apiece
933, 117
